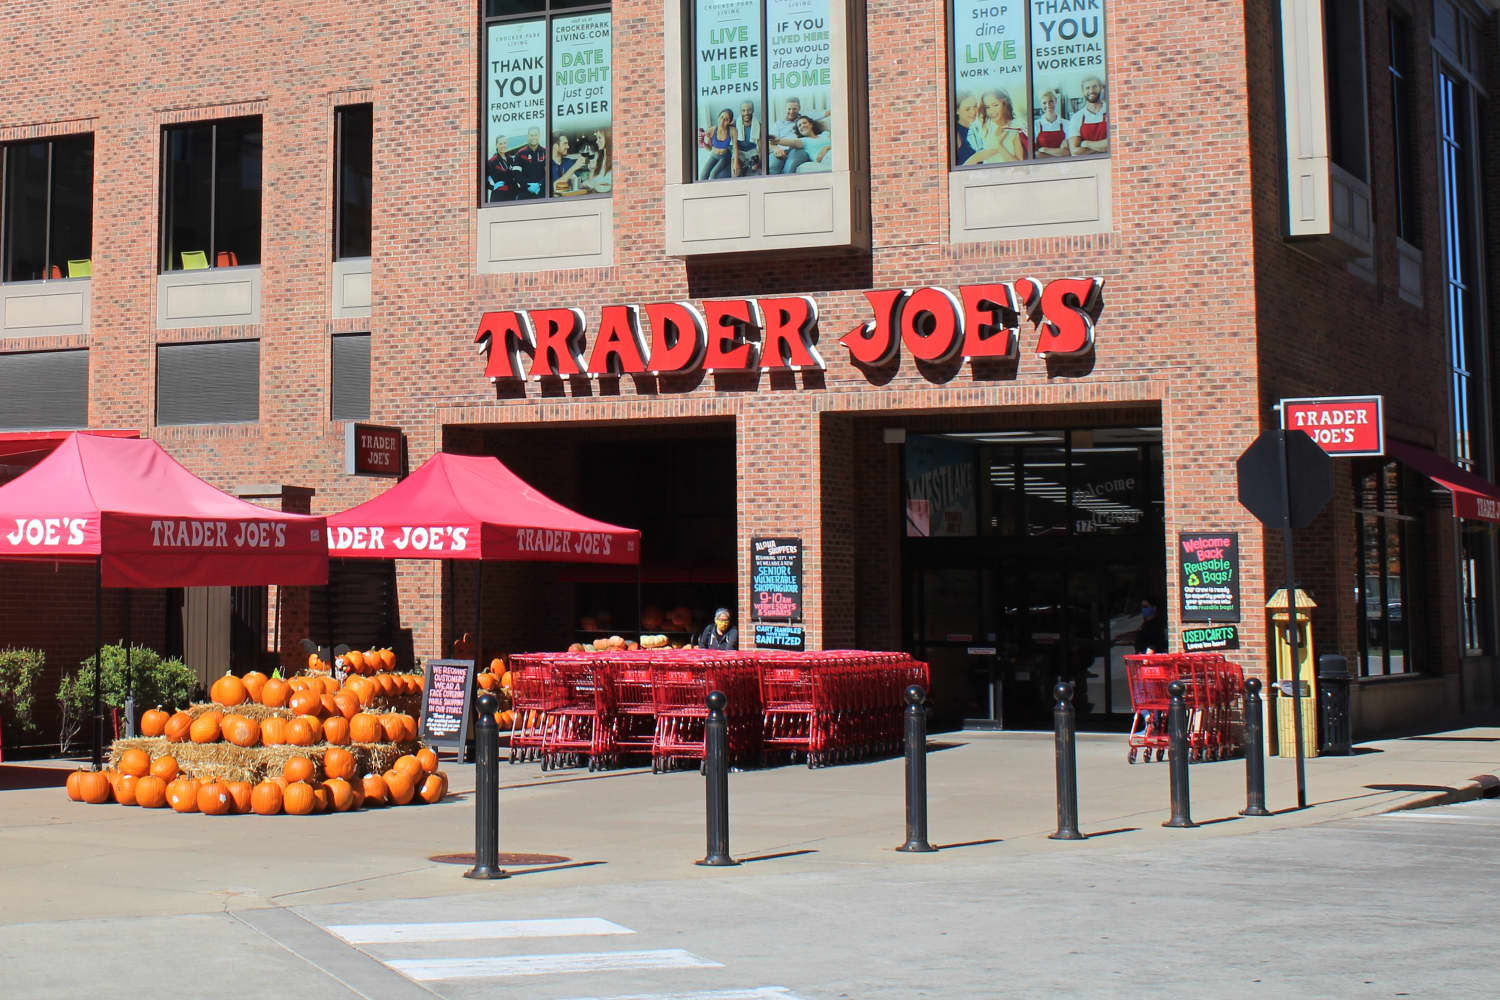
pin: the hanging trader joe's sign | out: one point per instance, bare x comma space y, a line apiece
741, 335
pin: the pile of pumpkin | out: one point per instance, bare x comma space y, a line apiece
154, 783
370, 661
497, 681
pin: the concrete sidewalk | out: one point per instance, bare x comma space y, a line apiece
991, 794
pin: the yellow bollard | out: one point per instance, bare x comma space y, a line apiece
1286, 740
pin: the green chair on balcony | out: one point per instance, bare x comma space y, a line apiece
195, 260
81, 268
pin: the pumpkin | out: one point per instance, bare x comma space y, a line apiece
336, 731
398, 787
330, 708
428, 758
346, 703
182, 795
392, 726
154, 722
228, 690
313, 662
254, 681
364, 690
135, 762
299, 733
124, 788
273, 731
373, 786
275, 692
505, 680
322, 799
239, 796
419, 682
240, 731
298, 769
328, 684
365, 728
387, 683
355, 661
265, 799
340, 794
163, 767
72, 785
150, 792
434, 787
213, 799
205, 728
306, 702
176, 729
338, 763
488, 681
298, 799
315, 724
388, 659
411, 767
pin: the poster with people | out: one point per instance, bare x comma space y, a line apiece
581, 83
990, 100
940, 487
517, 104
799, 63
727, 82
1071, 116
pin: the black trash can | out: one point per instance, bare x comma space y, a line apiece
1336, 726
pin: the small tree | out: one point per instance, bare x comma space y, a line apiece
156, 681
19, 670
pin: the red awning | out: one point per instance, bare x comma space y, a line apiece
30, 447
150, 522
473, 507
1474, 497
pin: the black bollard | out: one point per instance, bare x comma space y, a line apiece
916, 773
716, 778
1177, 724
486, 791
1255, 752
1065, 727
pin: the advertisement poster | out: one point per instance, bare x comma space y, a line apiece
1207, 638
990, 96
1067, 62
799, 60
517, 84
727, 75
790, 637
447, 703
1210, 582
776, 579
941, 472
580, 100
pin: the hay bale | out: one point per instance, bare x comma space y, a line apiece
250, 710
227, 762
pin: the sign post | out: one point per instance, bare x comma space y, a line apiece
1285, 480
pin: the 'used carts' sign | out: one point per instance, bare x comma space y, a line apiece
447, 702
1203, 638
1210, 581
776, 579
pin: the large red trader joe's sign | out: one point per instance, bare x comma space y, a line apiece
1340, 425
743, 335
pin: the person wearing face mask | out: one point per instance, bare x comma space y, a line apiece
720, 633
1151, 637
1089, 127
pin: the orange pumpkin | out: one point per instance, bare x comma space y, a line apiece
355, 660
373, 786
205, 728
346, 703
298, 769
322, 799
365, 728
336, 730
176, 729
298, 799
214, 799
364, 690
228, 690
239, 796
314, 724
330, 707
124, 789
411, 767
273, 731
240, 731
387, 683
306, 703
254, 681
398, 787
182, 795
275, 692
72, 785
338, 763
434, 787
392, 726
299, 733
428, 758
154, 722
265, 799
135, 762
163, 767
340, 794
497, 666
488, 681
150, 792
313, 662
388, 659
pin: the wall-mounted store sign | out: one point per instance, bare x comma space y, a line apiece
1205, 638
789, 637
776, 579
370, 450
1210, 582
746, 335
1341, 425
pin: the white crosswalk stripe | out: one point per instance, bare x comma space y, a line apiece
475, 930
422, 969
761, 993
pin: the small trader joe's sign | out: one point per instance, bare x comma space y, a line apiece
770, 636
1210, 583
447, 702
372, 450
776, 579
1205, 638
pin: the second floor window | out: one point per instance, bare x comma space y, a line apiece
353, 127
47, 224
211, 194
1028, 81
548, 77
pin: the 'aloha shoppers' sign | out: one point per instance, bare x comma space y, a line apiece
936, 326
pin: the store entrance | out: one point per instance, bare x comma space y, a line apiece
1026, 556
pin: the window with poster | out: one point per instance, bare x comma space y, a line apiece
1028, 81
547, 119
1390, 580
762, 88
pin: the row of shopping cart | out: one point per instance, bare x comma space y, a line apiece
573, 709
1213, 696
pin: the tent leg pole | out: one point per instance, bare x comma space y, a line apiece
129, 674
98, 727
478, 626
640, 626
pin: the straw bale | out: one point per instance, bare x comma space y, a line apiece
249, 710
228, 762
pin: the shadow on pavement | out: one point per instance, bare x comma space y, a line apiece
1410, 788
779, 854
1111, 833
1454, 739
17, 776
553, 868
968, 843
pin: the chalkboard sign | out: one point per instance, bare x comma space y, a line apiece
1205, 638
447, 703
776, 579
780, 637
1209, 586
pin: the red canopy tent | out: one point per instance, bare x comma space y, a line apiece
145, 521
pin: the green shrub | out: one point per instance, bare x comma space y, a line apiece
168, 683
19, 670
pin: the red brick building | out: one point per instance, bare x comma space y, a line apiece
236, 230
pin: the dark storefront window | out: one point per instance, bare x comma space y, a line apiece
211, 181
353, 135
48, 218
1403, 128
212, 383
351, 376
44, 390
1390, 580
